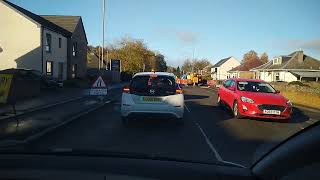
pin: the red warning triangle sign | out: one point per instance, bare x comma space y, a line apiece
99, 83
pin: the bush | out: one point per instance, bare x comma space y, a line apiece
298, 83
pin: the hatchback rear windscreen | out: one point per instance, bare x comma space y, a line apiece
153, 85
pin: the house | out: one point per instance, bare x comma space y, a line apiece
53, 45
293, 67
220, 69
243, 70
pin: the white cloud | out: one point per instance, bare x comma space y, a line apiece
187, 37
313, 44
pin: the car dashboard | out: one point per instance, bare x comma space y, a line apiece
20, 166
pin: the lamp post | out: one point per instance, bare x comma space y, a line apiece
103, 19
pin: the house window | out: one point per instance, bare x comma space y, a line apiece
49, 68
74, 71
277, 61
215, 69
74, 49
48, 43
277, 76
59, 42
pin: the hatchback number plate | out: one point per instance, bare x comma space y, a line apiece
151, 99
276, 112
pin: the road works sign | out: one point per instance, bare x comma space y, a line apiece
5, 85
99, 88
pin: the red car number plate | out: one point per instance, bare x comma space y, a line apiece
276, 112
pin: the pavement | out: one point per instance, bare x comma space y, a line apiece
46, 97
53, 110
210, 134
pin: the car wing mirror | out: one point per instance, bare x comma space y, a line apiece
232, 88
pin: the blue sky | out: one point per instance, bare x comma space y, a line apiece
213, 28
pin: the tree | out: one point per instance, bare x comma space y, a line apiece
264, 57
178, 71
249, 57
196, 65
186, 66
161, 63
134, 55
200, 64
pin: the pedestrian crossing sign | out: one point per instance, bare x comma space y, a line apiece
99, 88
99, 83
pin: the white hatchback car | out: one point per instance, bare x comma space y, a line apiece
152, 93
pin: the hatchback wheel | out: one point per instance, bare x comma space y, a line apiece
180, 121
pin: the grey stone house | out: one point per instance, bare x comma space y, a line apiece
54, 45
77, 43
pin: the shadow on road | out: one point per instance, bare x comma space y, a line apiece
243, 140
154, 122
194, 97
298, 116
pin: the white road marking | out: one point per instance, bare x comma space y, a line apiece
212, 148
209, 143
206, 138
311, 121
187, 108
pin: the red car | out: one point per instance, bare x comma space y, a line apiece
253, 98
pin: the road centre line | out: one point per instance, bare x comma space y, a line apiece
212, 148
209, 143
217, 155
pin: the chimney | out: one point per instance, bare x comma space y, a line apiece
299, 55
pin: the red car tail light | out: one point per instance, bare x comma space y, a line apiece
178, 90
126, 90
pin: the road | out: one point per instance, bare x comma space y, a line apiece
209, 134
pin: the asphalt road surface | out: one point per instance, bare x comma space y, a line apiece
209, 134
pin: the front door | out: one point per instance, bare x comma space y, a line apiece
230, 94
60, 71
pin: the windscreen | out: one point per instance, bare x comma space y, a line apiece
255, 87
153, 77
153, 85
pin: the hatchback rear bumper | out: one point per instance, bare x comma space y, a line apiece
170, 105
138, 109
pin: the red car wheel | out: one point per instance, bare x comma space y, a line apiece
235, 110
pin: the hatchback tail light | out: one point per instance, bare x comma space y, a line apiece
178, 90
126, 90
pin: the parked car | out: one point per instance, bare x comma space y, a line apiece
253, 98
31, 74
152, 93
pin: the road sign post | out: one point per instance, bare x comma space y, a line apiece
5, 86
6, 96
